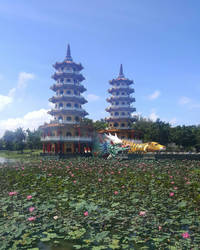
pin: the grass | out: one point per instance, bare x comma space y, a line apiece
18, 155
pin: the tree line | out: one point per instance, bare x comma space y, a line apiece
178, 138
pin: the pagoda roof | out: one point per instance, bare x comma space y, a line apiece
68, 61
115, 130
116, 98
59, 75
119, 80
129, 109
115, 89
78, 99
57, 86
81, 113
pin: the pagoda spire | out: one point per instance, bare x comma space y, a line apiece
121, 74
68, 56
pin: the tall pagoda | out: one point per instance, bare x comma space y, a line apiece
66, 133
120, 108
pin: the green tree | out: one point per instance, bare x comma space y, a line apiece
9, 140
20, 137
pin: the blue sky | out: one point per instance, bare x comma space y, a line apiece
158, 43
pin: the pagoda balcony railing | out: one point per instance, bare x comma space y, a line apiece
66, 138
66, 108
63, 122
120, 87
119, 117
59, 83
126, 96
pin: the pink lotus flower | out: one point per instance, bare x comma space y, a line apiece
29, 197
171, 194
186, 235
74, 181
86, 213
175, 188
116, 192
123, 186
171, 177
99, 179
31, 209
172, 182
12, 193
159, 228
188, 182
142, 213
31, 218
55, 217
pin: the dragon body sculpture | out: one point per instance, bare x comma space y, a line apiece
110, 146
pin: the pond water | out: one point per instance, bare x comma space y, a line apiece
4, 160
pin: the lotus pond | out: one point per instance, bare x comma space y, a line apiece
92, 203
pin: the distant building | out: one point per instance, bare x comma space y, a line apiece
66, 133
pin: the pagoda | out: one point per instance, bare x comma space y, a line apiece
66, 132
120, 108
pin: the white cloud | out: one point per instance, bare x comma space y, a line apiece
155, 95
92, 97
4, 101
51, 105
184, 100
31, 120
153, 116
173, 121
23, 78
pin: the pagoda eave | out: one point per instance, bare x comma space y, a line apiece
120, 119
117, 98
121, 80
78, 77
127, 90
77, 66
128, 109
62, 86
77, 99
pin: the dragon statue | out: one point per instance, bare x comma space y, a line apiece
110, 146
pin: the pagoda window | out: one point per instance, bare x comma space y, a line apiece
75, 92
116, 113
118, 84
77, 119
112, 114
60, 118
61, 92
123, 125
68, 134
69, 92
117, 103
123, 113
68, 105
123, 93
123, 103
69, 118
116, 124
60, 105
77, 134
117, 93
68, 80
61, 80
76, 105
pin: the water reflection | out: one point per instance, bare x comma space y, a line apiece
63, 245
5, 160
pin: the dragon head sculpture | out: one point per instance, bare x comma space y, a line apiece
113, 138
